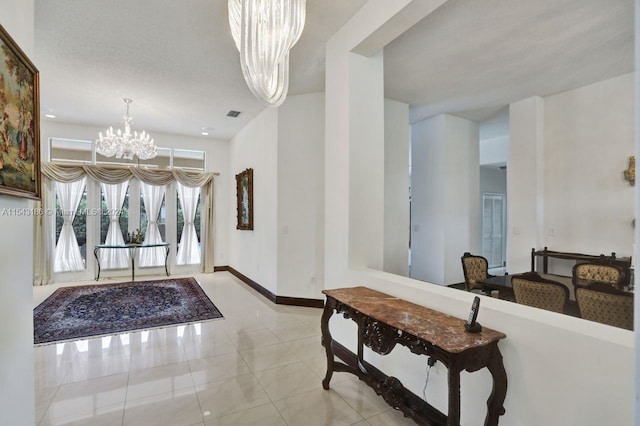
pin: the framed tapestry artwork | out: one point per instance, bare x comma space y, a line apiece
244, 195
19, 122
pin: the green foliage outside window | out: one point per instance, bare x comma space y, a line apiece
80, 220
196, 220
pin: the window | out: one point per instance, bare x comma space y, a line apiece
100, 206
161, 160
187, 159
79, 151
71, 241
79, 224
161, 219
152, 224
114, 224
106, 212
188, 214
70, 151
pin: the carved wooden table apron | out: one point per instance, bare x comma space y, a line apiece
384, 321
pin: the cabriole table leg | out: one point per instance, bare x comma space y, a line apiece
495, 403
95, 253
327, 340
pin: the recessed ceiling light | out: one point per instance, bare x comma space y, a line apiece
206, 131
48, 112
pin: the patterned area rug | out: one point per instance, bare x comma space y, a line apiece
75, 312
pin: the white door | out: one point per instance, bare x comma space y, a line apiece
492, 227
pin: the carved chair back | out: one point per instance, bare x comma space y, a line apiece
475, 268
532, 290
605, 304
585, 274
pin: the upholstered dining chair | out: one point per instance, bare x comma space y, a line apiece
532, 290
475, 268
605, 304
585, 274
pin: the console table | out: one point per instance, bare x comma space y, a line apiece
384, 321
132, 254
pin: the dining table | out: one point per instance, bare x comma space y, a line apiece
501, 283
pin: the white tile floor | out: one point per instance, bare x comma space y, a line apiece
261, 365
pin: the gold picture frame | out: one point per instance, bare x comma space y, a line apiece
244, 200
19, 122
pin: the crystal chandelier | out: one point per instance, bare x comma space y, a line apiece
126, 145
264, 31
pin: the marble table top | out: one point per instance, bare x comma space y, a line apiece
444, 331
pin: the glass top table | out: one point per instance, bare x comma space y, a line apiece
132, 254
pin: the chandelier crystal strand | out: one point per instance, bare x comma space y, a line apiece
264, 31
126, 145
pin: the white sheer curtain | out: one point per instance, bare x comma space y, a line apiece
189, 250
67, 255
114, 197
152, 196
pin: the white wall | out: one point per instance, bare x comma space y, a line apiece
396, 187
300, 196
445, 197
340, 102
284, 146
462, 195
494, 139
366, 155
558, 366
494, 151
494, 180
588, 138
566, 159
255, 253
496, 126
428, 200
216, 158
524, 182
17, 400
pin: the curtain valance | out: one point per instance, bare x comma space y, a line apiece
118, 174
66, 173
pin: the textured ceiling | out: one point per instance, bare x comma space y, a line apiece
175, 59
472, 57
178, 62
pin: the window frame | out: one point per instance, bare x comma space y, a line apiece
94, 200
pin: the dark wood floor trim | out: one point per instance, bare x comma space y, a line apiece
349, 358
279, 300
254, 285
300, 301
